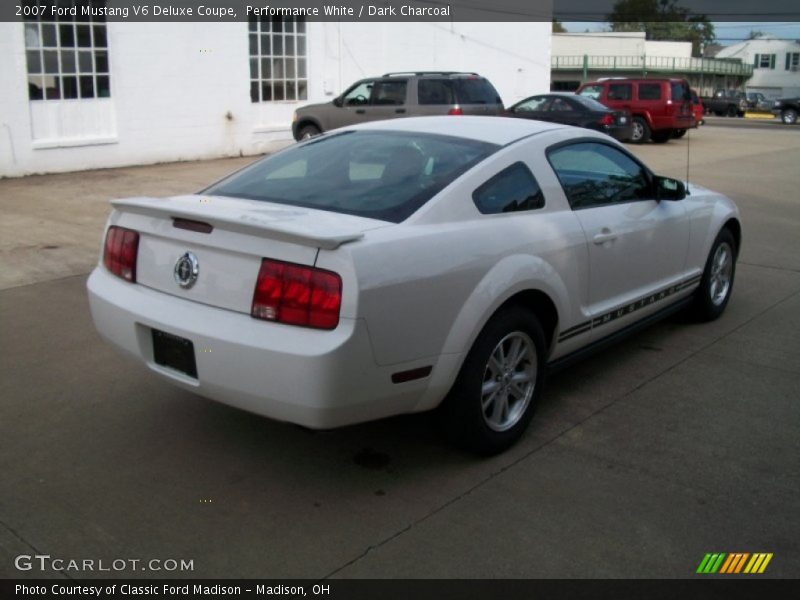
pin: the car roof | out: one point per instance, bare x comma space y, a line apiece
495, 130
553, 94
633, 80
465, 74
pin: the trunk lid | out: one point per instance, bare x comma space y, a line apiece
237, 234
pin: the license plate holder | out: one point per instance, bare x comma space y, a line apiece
174, 352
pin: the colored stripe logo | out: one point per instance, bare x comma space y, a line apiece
734, 563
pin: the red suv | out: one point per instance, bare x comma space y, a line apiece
661, 108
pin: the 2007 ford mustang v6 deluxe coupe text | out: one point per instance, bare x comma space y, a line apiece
400, 266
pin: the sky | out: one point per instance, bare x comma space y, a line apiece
727, 32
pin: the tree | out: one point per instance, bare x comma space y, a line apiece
558, 27
662, 20
754, 33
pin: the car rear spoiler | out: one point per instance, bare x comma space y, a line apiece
252, 222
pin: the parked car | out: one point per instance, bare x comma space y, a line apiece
579, 111
731, 103
396, 95
787, 109
660, 108
400, 266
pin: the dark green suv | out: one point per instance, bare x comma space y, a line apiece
397, 95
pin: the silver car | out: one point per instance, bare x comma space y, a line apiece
395, 95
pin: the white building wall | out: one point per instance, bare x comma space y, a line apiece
774, 83
599, 44
629, 43
180, 91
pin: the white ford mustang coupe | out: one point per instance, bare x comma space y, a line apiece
400, 266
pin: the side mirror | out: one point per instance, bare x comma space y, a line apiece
669, 189
338, 101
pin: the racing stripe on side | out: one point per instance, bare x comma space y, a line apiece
628, 308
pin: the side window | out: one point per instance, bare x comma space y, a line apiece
388, 93
359, 95
680, 92
561, 105
594, 174
512, 189
592, 91
434, 91
649, 91
537, 103
619, 91
475, 90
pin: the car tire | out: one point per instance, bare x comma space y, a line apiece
641, 131
789, 116
662, 136
678, 133
732, 111
307, 131
716, 285
493, 400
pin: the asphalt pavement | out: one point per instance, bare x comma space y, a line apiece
680, 441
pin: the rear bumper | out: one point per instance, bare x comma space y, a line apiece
318, 379
621, 133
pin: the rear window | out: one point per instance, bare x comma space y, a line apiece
475, 90
384, 175
649, 91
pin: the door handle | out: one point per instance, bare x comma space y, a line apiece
400, 110
360, 111
605, 235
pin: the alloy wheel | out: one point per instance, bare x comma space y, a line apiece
509, 380
719, 283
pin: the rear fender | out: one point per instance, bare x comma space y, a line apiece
512, 275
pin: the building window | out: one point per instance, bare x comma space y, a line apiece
792, 61
764, 61
68, 58
278, 59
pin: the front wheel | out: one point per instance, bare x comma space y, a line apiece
716, 286
789, 116
495, 394
307, 131
679, 133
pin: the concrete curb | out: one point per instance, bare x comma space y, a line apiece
758, 115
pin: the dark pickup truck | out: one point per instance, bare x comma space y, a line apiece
726, 102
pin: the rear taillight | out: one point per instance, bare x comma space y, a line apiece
297, 295
119, 256
456, 110
607, 120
